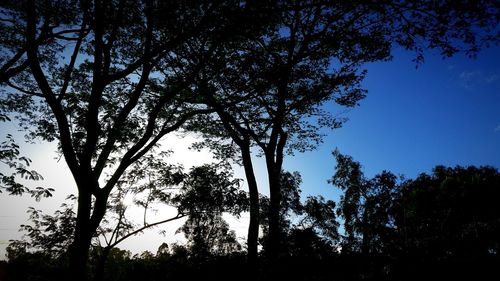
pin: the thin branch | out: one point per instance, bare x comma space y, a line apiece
74, 55
178, 216
62, 122
166, 130
24, 91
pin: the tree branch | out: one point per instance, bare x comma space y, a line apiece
74, 55
62, 122
24, 91
178, 216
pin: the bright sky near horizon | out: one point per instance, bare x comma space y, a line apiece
443, 112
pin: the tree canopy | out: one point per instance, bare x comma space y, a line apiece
107, 80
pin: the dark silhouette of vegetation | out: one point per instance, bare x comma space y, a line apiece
10, 156
207, 193
116, 92
273, 87
202, 195
445, 224
18, 166
107, 80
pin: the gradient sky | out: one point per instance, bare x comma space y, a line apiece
443, 112
446, 111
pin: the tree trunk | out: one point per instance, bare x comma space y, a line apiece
365, 242
87, 222
101, 264
79, 249
253, 227
274, 164
273, 243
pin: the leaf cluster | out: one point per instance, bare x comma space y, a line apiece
49, 234
11, 157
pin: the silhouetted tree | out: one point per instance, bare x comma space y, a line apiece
48, 234
203, 194
350, 179
451, 213
206, 193
319, 216
11, 158
367, 207
291, 207
215, 134
42, 250
313, 55
305, 227
57, 17
445, 223
150, 182
118, 93
103, 104
314, 235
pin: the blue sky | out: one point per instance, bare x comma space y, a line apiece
443, 112
446, 111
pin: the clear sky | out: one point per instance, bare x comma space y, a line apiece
443, 112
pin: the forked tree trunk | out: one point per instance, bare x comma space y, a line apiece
89, 216
274, 163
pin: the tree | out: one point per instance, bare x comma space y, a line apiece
314, 55
150, 182
350, 179
42, 251
203, 194
315, 236
367, 207
450, 213
444, 217
320, 217
11, 157
207, 192
48, 234
122, 75
103, 104
215, 136
14, 59
305, 227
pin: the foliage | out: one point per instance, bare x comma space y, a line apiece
99, 77
13, 58
47, 234
320, 217
441, 224
309, 228
11, 157
446, 215
149, 182
280, 90
350, 179
451, 212
108, 79
206, 193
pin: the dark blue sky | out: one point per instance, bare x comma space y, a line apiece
446, 111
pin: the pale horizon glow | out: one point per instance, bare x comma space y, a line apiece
57, 175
